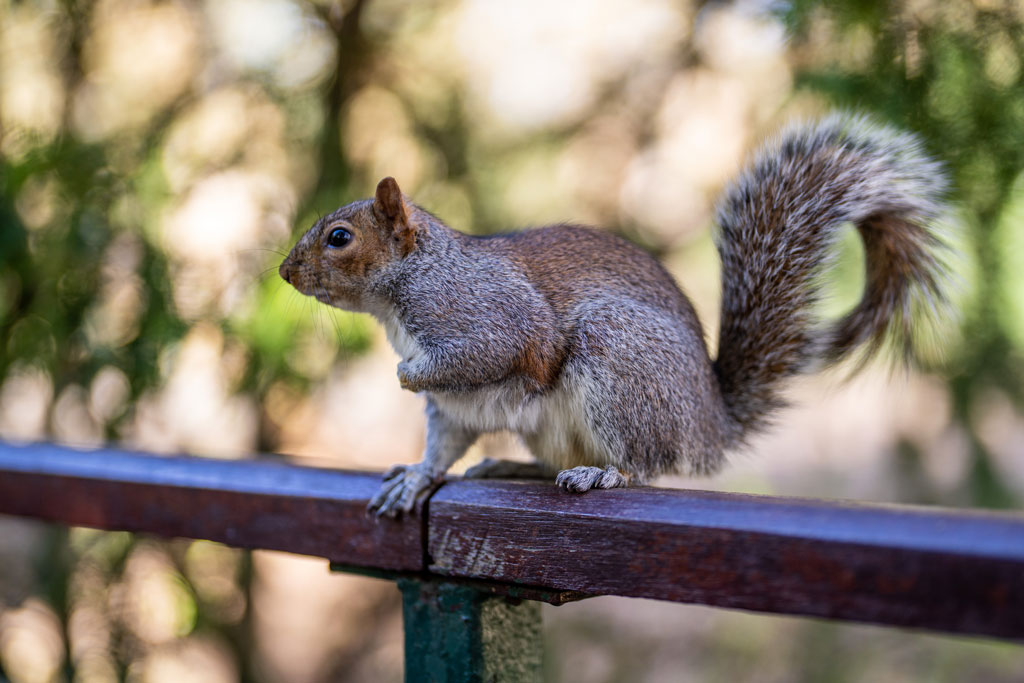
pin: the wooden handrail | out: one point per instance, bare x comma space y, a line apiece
932, 568
261, 503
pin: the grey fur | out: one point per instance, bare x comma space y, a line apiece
779, 223
583, 345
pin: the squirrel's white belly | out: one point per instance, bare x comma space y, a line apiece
504, 405
562, 436
553, 424
493, 408
404, 344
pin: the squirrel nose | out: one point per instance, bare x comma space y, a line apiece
285, 271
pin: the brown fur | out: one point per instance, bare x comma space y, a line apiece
339, 276
583, 344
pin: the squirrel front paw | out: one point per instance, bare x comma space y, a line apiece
408, 377
403, 485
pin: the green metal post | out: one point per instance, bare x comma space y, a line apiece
457, 634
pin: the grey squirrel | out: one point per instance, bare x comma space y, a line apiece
583, 345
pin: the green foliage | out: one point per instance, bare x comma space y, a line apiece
52, 273
78, 217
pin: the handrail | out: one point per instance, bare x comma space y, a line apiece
939, 569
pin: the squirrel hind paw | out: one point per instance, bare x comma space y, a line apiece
583, 478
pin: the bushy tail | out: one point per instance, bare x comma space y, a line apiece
779, 224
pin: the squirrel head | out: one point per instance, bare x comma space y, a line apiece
336, 260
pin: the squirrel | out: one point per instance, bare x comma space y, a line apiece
583, 345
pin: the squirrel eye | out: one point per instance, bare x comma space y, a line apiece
339, 238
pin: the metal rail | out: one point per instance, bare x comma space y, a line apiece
958, 571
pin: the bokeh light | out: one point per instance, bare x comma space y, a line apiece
157, 159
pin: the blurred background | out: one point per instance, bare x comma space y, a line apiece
158, 158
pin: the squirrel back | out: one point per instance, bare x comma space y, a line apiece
779, 223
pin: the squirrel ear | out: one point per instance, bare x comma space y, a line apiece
389, 203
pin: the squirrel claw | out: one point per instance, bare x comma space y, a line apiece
402, 486
582, 479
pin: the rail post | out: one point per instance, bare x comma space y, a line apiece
457, 634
